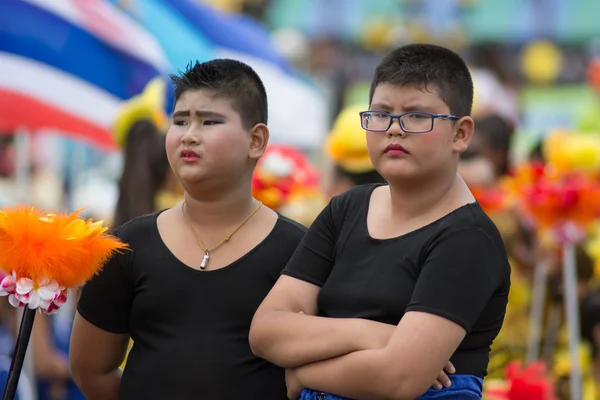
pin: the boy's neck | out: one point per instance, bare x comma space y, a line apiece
414, 201
224, 208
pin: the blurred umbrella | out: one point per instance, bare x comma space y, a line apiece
66, 65
189, 30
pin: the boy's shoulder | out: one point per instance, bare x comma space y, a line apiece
289, 228
356, 197
136, 227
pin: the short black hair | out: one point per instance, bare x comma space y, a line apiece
231, 80
428, 66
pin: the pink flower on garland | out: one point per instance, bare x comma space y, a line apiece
47, 295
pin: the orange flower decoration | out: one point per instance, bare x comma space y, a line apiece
43, 253
564, 204
491, 200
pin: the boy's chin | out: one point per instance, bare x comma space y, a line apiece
406, 176
189, 177
397, 170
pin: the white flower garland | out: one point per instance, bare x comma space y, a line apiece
46, 295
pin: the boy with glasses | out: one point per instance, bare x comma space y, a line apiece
416, 261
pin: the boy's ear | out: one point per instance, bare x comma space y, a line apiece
259, 138
463, 133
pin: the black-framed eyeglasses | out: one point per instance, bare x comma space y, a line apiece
410, 122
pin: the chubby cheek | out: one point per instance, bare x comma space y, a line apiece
432, 145
428, 142
172, 144
226, 148
374, 145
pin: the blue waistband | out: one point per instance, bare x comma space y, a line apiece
464, 387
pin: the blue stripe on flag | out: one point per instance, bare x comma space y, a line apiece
235, 32
180, 40
35, 33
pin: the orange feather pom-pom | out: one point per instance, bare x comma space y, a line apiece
59, 247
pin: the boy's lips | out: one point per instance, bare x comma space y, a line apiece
189, 155
395, 149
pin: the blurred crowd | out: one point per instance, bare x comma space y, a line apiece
298, 182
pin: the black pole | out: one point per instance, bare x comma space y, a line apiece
16, 365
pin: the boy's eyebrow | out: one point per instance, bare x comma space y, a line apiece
202, 114
416, 107
408, 108
181, 113
380, 107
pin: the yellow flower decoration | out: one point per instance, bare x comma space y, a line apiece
147, 105
346, 145
568, 151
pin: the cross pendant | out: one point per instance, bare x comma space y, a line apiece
205, 260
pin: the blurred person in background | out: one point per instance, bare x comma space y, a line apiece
488, 157
145, 173
50, 351
349, 164
147, 184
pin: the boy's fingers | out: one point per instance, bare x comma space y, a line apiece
449, 368
443, 380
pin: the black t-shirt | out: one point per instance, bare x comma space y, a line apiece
190, 328
455, 267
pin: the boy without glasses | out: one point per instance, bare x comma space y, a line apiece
187, 291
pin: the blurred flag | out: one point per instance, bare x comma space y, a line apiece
66, 65
190, 30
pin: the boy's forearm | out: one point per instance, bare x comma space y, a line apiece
359, 375
290, 340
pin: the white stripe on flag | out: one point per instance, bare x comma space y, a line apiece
58, 88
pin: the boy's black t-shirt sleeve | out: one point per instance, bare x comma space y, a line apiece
106, 298
461, 273
313, 259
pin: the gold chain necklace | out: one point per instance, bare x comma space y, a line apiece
207, 252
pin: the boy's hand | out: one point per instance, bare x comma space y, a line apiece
442, 380
294, 387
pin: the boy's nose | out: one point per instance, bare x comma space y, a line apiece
189, 138
395, 128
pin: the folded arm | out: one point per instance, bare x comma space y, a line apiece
286, 332
457, 283
419, 348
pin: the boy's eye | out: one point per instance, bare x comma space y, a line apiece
211, 122
379, 115
419, 116
180, 123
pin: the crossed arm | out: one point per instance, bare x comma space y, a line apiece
354, 358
